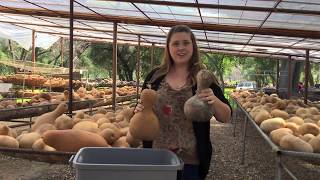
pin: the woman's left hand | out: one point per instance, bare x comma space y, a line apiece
207, 95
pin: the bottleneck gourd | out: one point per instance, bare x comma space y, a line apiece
144, 125
50, 117
194, 108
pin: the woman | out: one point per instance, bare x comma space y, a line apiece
175, 81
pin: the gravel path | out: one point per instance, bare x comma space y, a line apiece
226, 160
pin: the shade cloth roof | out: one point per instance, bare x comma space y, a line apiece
267, 28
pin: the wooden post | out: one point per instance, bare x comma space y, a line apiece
138, 67
289, 78
70, 60
277, 76
152, 57
114, 65
61, 50
306, 77
33, 50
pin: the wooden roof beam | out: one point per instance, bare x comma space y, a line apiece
166, 23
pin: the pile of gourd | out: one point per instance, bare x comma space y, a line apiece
55, 131
291, 124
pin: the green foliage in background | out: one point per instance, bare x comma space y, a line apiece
96, 61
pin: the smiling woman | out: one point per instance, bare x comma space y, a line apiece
175, 82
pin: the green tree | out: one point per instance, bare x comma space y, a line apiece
260, 70
219, 64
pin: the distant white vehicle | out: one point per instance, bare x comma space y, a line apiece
247, 85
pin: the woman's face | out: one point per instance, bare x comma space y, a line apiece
180, 47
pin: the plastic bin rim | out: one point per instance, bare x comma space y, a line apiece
74, 160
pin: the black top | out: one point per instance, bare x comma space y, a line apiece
201, 129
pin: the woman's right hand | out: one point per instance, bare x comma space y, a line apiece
139, 107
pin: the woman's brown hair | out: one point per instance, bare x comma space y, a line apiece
194, 63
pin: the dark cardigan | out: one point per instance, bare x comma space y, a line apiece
201, 129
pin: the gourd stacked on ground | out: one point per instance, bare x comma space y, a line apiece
291, 124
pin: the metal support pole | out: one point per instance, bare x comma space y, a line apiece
289, 78
138, 66
235, 119
244, 139
278, 167
277, 77
70, 60
114, 65
61, 50
33, 50
152, 57
306, 75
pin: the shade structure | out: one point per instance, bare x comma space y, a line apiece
271, 29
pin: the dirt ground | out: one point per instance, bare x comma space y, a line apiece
226, 160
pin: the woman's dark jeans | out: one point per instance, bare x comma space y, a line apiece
189, 172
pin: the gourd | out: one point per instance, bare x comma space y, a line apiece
296, 119
131, 141
121, 142
315, 143
45, 127
87, 126
71, 140
50, 117
39, 145
5, 130
293, 143
8, 141
26, 140
294, 127
272, 124
110, 135
261, 116
194, 108
279, 113
307, 137
144, 125
309, 128
64, 122
278, 134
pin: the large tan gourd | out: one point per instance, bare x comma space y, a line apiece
294, 127
261, 116
45, 127
293, 143
64, 122
121, 142
309, 128
39, 145
26, 140
72, 140
272, 124
50, 117
132, 141
8, 141
307, 137
87, 126
279, 113
196, 109
296, 119
145, 125
276, 135
315, 143
5, 130
110, 135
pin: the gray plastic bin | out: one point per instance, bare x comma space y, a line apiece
95, 163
